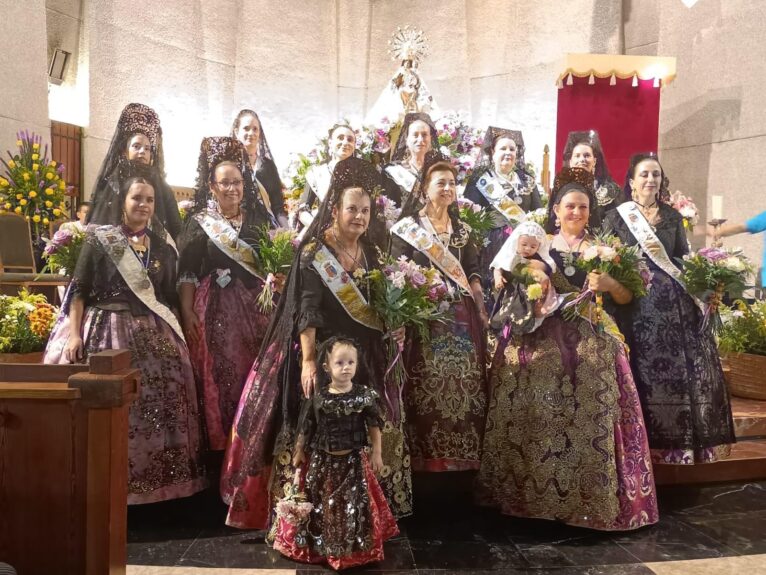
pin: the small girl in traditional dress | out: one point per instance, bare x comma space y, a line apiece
349, 518
521, 270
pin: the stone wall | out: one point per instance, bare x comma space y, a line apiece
712, 125
24, 71
304, 64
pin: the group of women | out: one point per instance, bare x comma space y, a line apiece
562, 423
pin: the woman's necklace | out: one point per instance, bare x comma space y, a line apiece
355, 258
650, 212
137, 243
568, 255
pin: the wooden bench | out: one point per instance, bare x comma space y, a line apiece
64, 465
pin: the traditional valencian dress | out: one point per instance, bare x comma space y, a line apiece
445, 395
350, 518
675, 364
565, 437
127, 299
331, 302
222, 261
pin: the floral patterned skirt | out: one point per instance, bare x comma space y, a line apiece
350, 518
445, 396
565, 437
678, 375
164, 436
233, 330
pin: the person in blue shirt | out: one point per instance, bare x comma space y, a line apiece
754, 225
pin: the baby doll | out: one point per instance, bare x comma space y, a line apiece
521, 271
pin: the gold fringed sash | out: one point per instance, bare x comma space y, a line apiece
424, 240
344, 289
492, 189
135, 275
650, 243
226, 239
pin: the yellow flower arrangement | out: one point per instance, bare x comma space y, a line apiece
31, 185
26, 321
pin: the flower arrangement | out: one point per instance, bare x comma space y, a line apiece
539, 216
294, 507
33, 185
61, 252
479, 221
607, 254
687, 208
459, 142
387, 210
406, 295
374, 142
276, 250
26, 321
183, 208
711, 272
743, 328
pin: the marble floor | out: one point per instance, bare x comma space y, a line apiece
704, 530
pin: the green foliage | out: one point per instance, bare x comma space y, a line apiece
744, 328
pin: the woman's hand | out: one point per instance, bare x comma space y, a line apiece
191, 325
308, 376
279, 282
398, 335
73, 352
376, 461
601, 282
497, 275
299, 457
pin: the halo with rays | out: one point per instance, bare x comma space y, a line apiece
408, 44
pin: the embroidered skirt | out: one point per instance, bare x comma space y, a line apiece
164, 436
233, 327
350, 518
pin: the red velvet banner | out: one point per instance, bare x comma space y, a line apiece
626, 118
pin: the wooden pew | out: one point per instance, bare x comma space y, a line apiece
63, 465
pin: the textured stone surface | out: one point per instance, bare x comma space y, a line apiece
23, 90
641, 23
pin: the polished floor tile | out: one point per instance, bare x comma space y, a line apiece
697, 523
743, 565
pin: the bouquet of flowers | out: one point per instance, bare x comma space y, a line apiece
373, 142
607, 254
407, 295
276, 250
26, 321
479, 221
33, 185
539, 216
183, 208
294, 507
687, 208
459, 142
711, 272
61, 252
387, 210
743, 329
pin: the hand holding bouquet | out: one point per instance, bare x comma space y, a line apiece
607, 256
711, 272
276, 250
407, 295
61, 252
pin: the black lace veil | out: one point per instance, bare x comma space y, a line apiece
566, 180
401, 152
491, 137
105, 205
